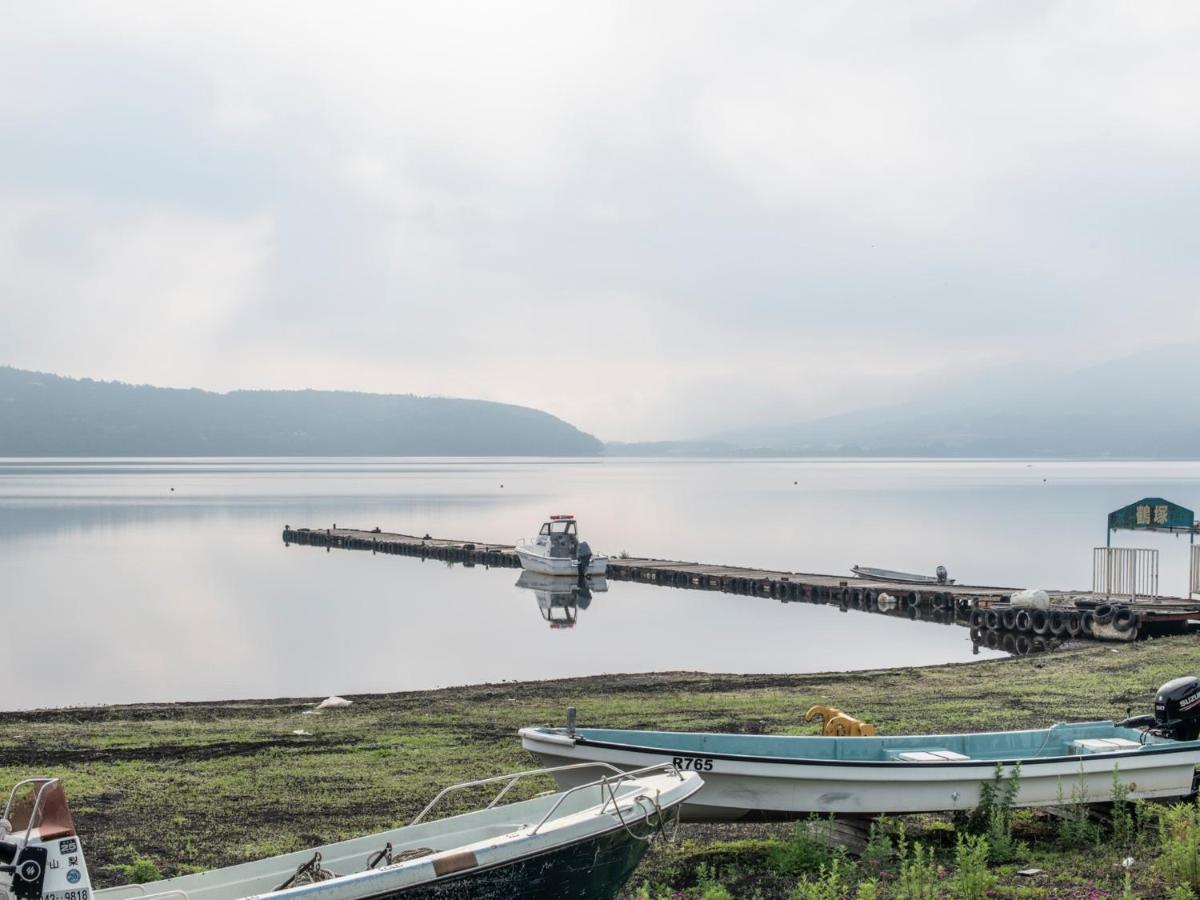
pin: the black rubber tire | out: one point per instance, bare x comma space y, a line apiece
1023, 620
992, 618
1058, 622
912, 599
1104, 614
977, 618
1008, 618
1022, 645
991, 639
1085, 622
1124, 619
1039, 621
1074, 624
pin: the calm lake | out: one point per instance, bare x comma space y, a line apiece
138, 580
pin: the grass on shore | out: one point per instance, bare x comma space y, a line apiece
195, 785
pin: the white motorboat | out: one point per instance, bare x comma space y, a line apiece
557, 550
582, 842
1154, 756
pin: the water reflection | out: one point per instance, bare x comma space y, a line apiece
559, 598
188, 594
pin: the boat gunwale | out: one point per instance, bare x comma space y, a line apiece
553, 840
1156, 749
451, 876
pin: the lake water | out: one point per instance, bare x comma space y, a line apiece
139, 580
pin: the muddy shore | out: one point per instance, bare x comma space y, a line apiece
195, 785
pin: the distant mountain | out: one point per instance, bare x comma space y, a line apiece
47, 415
1145, 405
670, 448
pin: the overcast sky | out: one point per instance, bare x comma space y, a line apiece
654, 220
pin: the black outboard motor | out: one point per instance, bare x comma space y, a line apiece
1177, 709
583, 554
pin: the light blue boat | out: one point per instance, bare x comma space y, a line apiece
1156, 756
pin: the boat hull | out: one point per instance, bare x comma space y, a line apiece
563, 566
594, 869
577, 844
737, 787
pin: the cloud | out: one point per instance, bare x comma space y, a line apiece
93, 292
641, 218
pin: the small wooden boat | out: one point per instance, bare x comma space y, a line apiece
557, 550
902, 577
583, 842
1156, 756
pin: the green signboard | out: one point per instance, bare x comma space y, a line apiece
1153, 514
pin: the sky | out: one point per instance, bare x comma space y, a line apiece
655, 220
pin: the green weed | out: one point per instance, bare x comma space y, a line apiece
1076, 830
810, 850
140, 871
1179, 845
972, 878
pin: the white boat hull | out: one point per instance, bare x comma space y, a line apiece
567, 566
735, 787
499, 851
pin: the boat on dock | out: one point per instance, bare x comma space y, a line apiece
557, 550
781, 776
891, 575
582, 842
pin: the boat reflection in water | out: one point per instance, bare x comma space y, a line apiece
560, 598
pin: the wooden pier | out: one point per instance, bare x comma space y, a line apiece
984, 609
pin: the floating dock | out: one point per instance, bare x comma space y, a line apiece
984, 609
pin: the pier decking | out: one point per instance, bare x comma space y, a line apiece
979, 607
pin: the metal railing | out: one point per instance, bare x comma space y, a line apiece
608, 784
1126, 572
511, 780
44, 783
604, 782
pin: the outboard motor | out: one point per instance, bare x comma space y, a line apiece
40, 853
1177, 709
583, 554
942, 575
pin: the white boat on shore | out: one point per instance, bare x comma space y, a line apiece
557, 550
1155, 756
582, 842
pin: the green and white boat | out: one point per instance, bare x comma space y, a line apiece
583, 842
778, 776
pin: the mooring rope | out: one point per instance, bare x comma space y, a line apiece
308, 873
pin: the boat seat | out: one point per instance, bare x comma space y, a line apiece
931, 755
1103, 745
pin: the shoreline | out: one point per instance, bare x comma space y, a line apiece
614, 682
197, 784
